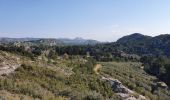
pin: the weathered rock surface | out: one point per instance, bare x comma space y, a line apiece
123, 91
8, 63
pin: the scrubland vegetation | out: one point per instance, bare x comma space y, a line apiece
134, 77
49, 83
67, 72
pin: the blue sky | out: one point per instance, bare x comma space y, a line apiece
104, 20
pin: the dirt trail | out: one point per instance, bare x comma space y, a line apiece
97, 68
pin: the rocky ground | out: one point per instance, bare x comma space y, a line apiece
119, 88
8, 63
123, 91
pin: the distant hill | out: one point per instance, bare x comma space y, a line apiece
141, 44
79, 41
132, 44
7, 40
49, 41
136, 37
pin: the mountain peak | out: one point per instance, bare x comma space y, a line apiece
137, 34
133, 37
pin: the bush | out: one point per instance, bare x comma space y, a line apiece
131, 86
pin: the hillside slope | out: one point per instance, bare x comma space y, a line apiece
141, 44
52, 79
135, 78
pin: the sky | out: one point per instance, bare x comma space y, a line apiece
103, 20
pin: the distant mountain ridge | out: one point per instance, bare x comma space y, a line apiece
6, 39
50, 41
78, 41
134, 44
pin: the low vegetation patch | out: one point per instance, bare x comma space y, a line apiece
135, 78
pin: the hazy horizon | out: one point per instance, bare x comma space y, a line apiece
79, 37
100, 20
